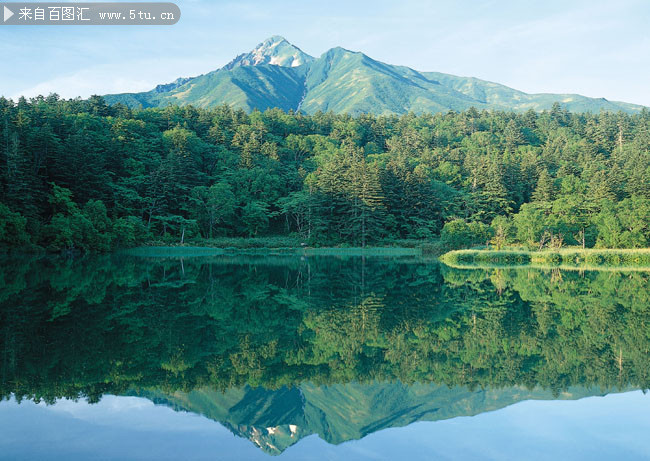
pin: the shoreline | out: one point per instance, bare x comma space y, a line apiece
190, 251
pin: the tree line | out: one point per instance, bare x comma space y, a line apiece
83, 175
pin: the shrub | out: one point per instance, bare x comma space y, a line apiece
12, 228
460, 234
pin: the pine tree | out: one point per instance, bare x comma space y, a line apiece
372, 202
513, 136
600, 188
545, 189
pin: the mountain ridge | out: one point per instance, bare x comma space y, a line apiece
277, 73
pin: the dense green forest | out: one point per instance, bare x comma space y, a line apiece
83, 175
111, 323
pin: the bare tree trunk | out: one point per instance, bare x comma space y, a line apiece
152, 208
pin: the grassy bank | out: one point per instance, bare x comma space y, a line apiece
190, 251
571, 257
284, 245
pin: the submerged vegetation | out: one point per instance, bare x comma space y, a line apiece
85, 176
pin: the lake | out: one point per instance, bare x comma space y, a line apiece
320, 357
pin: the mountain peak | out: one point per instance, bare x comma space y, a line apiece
277, 73
275, 50
274, 39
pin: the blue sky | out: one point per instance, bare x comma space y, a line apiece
595, 48
594, 428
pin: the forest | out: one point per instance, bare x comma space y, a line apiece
82, 175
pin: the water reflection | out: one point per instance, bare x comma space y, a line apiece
280, 347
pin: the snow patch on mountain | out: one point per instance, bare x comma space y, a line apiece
275, 51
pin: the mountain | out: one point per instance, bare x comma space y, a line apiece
279, 74
276, 419
274, 51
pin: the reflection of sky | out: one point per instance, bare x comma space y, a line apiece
611, 427
598, 48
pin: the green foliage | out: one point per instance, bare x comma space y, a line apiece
502, 230
254, 217
13, 233
214, 207
71, 228
129, 232
86, 176
459, 234
624, 225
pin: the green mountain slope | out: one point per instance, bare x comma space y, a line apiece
244, 87
279, 74
276, 419
345, 81
501, 96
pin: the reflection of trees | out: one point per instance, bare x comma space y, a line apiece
97, 325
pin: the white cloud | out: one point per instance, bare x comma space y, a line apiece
128, 77
132, 412
85, 83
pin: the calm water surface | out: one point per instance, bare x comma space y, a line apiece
244, 357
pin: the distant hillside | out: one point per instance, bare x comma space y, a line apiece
276, 419
279, 74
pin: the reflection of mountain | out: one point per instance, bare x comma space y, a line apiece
276, 419
87, 327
